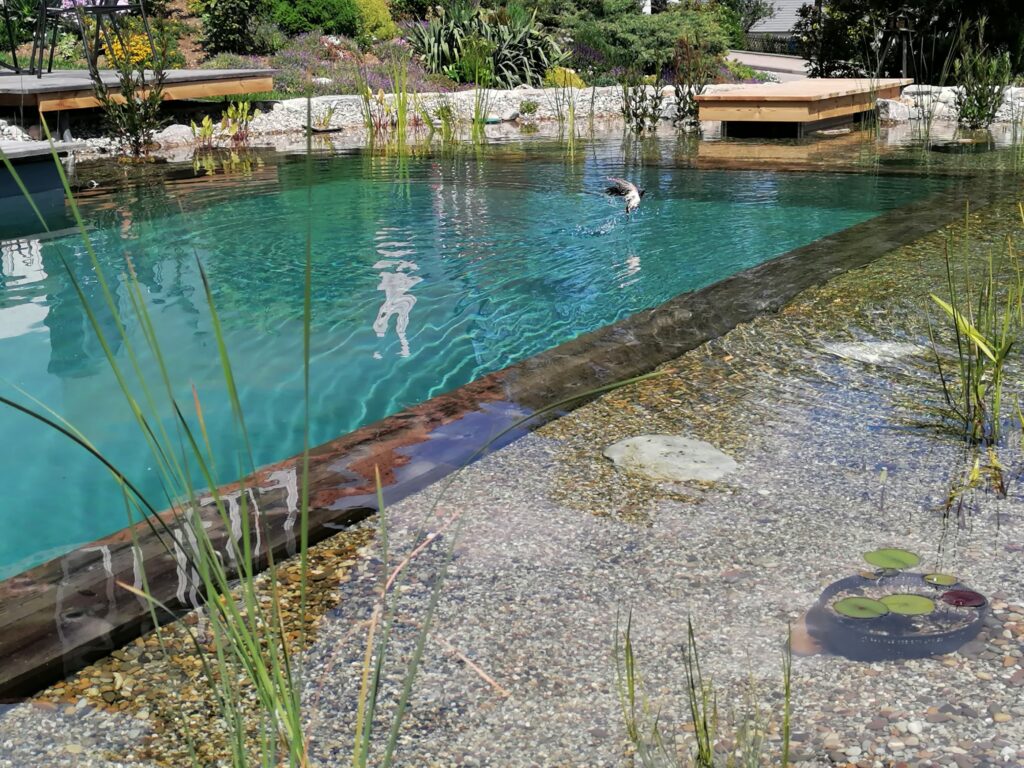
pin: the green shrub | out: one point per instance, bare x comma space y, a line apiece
560, 77
375, 20
647, 42
521, 50
227, 24
984, 77
333, 17
365, 20
411, 9
266, 37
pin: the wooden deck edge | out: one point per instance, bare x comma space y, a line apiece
85, 99
887, 90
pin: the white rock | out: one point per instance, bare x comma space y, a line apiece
916, 727
890, 111
322, 80
173, 135
922, 90
671, 458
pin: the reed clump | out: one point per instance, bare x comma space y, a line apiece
716, 742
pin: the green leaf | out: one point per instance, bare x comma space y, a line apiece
897, 559
908, 605
860, 608
941, 579
966, 328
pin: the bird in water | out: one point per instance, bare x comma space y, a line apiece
628, 190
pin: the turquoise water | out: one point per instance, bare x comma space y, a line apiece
427, 274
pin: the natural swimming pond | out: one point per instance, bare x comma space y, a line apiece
428, 273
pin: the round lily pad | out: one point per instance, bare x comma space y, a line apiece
899, 559
941, 579
860, 608
963, 598
908, 605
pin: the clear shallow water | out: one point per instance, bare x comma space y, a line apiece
427, 274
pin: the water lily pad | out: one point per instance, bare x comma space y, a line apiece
900, 559
908, 605
963, 598
941, 579
860, 608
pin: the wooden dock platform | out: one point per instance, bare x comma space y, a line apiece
796, 107
73, 89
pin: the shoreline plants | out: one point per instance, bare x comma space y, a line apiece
984, 309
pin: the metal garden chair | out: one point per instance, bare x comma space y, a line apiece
106, 15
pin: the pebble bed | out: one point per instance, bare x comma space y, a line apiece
546, 547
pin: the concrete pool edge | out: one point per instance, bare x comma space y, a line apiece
61, 615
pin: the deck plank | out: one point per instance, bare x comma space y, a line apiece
73, 89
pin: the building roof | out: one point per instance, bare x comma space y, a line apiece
783, 20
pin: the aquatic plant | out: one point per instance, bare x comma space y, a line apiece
204, 135
445, 114
655, 749
236, 122
985, 322
641, 102
322, 120
693, 69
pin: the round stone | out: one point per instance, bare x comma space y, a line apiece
671, 458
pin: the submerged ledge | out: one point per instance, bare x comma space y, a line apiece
60, 616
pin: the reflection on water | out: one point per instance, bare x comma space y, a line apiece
21, 262
396, 285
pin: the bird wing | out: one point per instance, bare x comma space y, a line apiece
621, 186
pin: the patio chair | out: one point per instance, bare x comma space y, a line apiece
106, 14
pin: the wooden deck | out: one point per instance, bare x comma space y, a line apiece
73, 89
801, 104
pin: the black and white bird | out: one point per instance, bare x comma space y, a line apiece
628, 190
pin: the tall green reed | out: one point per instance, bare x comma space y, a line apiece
654, 749
984, 309
249, 650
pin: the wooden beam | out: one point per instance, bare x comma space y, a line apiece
85, 99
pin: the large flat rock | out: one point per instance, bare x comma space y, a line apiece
671, 458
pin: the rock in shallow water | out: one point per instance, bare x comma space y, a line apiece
671, 458
874, 352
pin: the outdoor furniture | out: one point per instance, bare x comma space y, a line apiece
8, 41
106, 15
